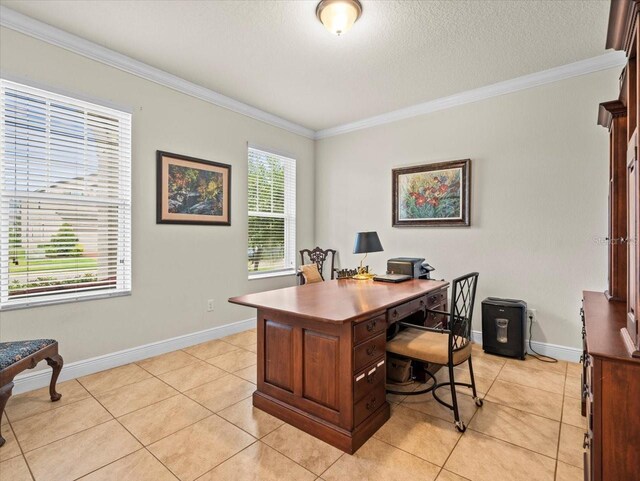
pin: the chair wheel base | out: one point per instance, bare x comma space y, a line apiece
460, 426
478, 401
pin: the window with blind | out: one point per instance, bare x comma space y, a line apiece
272, 214
65, 198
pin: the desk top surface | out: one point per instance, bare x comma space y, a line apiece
338, 300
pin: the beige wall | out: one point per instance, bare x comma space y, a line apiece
175, 268
538, 200
539, 196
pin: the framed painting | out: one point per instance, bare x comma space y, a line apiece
192, 191
432, 195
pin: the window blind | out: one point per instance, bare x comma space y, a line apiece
272, 213
65, 198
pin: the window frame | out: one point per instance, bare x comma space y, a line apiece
124, 280
289, 215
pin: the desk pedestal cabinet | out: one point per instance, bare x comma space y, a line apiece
328, 378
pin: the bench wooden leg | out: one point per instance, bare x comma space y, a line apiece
56, 363
5, 394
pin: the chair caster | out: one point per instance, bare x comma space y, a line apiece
478, 401
460, 426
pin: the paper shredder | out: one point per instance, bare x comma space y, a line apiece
504, 327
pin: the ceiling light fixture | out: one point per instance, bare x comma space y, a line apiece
338, 16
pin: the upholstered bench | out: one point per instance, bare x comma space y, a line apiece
18, 356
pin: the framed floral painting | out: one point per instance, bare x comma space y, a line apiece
192, 191
432, 194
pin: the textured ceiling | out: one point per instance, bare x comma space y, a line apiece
276, 56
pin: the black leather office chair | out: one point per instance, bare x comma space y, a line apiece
448, 346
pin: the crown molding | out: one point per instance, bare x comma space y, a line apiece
582, 67
47, 33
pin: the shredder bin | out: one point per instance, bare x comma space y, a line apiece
504, 327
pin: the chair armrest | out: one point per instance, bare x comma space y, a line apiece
425, 328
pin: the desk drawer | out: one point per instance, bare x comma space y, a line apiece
403, 310
437, 298
369, 351
365, 381
369, 328
368, 404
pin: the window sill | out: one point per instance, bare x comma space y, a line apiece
267, 275
26, 304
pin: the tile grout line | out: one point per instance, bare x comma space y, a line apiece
293, 460
213, 413
555, 473
330, 466
520, 385
113, 418
414, 455
134, 437
527, 412
185, 427
225, 460
22, 453
469, 422
56, 406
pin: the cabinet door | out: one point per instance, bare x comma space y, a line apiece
632, 240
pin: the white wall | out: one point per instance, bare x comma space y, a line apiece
175, 268
538, 199
539, 196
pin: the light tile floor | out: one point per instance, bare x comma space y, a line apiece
188, 415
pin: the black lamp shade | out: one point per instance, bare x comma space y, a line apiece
367, 242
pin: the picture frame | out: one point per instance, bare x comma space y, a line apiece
192, 191
432, 195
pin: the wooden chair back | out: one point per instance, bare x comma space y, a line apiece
319, 256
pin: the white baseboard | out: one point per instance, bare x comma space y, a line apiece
35, 380
562, 353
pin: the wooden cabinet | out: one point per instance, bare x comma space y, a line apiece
610, 395
621, 118
611, 336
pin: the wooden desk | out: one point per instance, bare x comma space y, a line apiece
321, 352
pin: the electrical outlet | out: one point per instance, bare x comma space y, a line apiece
210, 305
532, 314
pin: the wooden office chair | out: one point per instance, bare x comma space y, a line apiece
319, 257
448, 346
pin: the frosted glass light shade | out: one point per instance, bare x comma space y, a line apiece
338, 16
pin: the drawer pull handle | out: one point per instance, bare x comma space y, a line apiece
422, 302
371, 404
394, 313
371, 350
371, 378
585, 443
371, 325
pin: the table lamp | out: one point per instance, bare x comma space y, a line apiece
366, 242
